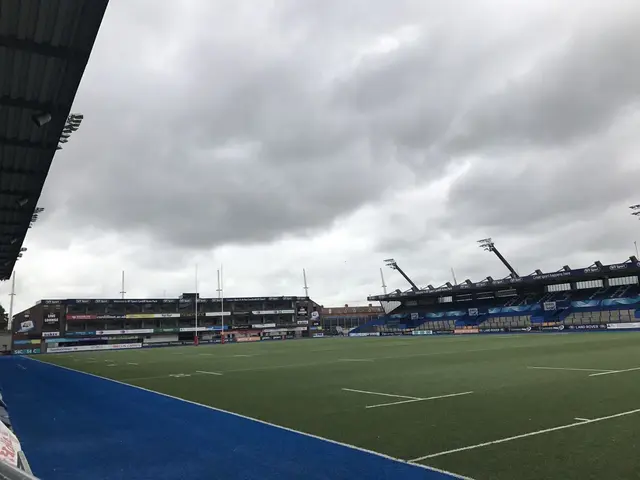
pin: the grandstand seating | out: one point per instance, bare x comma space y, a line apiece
618, 304
600, 317
515, 321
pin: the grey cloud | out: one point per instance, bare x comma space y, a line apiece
256, 125
576, 91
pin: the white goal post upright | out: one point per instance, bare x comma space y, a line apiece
221, 296
195, 334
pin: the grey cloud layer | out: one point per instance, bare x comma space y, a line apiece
233, 122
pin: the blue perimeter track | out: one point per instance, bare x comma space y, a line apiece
74, 425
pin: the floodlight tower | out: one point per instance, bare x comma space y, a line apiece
391, 263
635, 211
72, 125
488, 245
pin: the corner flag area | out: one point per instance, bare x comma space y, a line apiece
483, 407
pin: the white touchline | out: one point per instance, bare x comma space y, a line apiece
131, 363
419, 400
524, 435
355, 360
208, 373
571, 369
581, 419
381, 394
615, 371
238, 415
22, 367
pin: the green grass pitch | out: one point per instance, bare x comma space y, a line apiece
573, 416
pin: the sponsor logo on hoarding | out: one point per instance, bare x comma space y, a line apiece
548, 306
303, 322
27, 342
463, 331
110, 316
273, 312
415, 316
422, 332
302, 311
82, 317
318, 335
124, 332
10, 446
26, 326
50, 334
587, 327
473, 312
623, 326
86, 348
28, 351
248, 339
51, 318
263, 325
364, 334
557, 327
217, 314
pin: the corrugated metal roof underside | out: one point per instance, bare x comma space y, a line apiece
44, 49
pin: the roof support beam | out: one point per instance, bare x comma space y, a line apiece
19, 171
7, 101
16, 193
21, 143
44, 49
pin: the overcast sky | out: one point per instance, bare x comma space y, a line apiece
331, 134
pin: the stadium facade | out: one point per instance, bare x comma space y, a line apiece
598, 297
106, 324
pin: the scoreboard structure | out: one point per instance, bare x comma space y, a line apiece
103, 324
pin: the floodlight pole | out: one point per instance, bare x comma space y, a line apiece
220, 294
488, 245
391, 263
384, 286
122, 292
195, 335
304, 279
12, 295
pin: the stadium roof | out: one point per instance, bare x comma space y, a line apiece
538, 278
44, 49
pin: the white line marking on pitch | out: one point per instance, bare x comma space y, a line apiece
525, 435
572, 369
238, 415
379, 393
22, 367
582, 419
112, 365
207, 354
419, 400
244, 355
356, 360
615, 371
208, 373
131, 363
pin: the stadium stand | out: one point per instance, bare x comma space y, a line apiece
599, 297
44, 49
